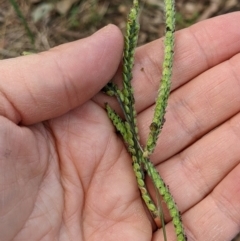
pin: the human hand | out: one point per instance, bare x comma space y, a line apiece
198, 151
65, 175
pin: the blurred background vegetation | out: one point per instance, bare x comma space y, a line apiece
35, 25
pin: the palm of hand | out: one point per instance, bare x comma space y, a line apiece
70, 178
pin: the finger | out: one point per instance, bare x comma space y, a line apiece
196, 108
42, 86
217, 217
197, 49
194, 172
204, 182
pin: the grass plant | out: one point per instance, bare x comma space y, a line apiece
23, 20
128, 127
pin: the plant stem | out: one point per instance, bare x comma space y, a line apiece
22, 18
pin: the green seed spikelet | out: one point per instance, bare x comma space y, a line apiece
125, 131
128, 127
130, 43
117, 121
168, 199
143, 189
164, 90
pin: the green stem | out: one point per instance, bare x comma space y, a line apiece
22, 18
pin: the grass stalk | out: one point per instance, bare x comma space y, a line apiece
23, 20
128, 127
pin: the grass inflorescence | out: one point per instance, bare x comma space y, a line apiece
128, 127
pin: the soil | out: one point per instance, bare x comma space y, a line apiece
35, 25
53, 22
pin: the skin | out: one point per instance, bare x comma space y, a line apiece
65, 173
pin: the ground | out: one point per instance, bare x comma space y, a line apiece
52, 22
35, 25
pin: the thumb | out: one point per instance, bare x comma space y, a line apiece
45, 85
